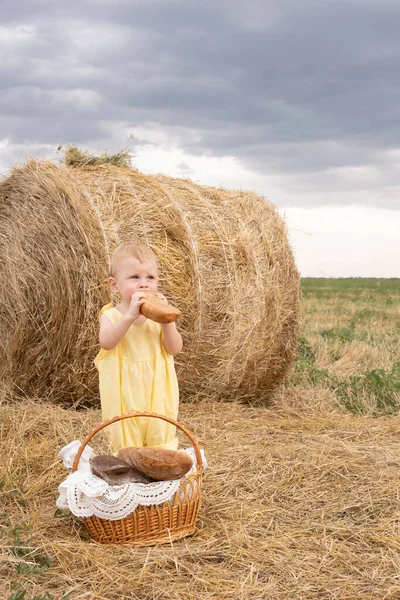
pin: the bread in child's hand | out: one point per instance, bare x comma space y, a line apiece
116, 471
157, 463
159, 311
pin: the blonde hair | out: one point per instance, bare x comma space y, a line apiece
140, 251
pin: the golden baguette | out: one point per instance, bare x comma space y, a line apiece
157, 310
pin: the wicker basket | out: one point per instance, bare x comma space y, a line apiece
150, 525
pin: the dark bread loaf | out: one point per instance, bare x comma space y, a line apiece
116, 471
156, 463
159, 311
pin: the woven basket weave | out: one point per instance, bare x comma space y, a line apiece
157, 524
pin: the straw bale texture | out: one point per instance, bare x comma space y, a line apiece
225, 262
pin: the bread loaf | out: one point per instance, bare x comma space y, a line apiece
158, 464
159, 311
116, 471
128, 455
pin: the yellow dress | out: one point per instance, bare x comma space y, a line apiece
138, 375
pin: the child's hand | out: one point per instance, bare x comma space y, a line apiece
136, 302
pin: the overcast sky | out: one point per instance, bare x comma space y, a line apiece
296, 100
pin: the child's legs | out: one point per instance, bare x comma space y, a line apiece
172, 445
161, 434
142, 431
164, 401
125, 433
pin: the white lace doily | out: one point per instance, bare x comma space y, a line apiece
68, 453
86, 495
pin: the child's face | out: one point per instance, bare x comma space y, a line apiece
133, 276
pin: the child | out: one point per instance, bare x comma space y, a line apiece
135, 362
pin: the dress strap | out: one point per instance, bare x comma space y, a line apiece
108, 308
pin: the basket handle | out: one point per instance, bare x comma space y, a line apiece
129, 416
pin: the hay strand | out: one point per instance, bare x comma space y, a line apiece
77, 158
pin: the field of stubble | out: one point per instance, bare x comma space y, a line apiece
301, 500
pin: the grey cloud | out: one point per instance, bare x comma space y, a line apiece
296, 88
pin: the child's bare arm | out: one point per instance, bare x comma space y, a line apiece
112, 333
172, 339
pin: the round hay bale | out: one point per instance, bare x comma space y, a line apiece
225, 262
